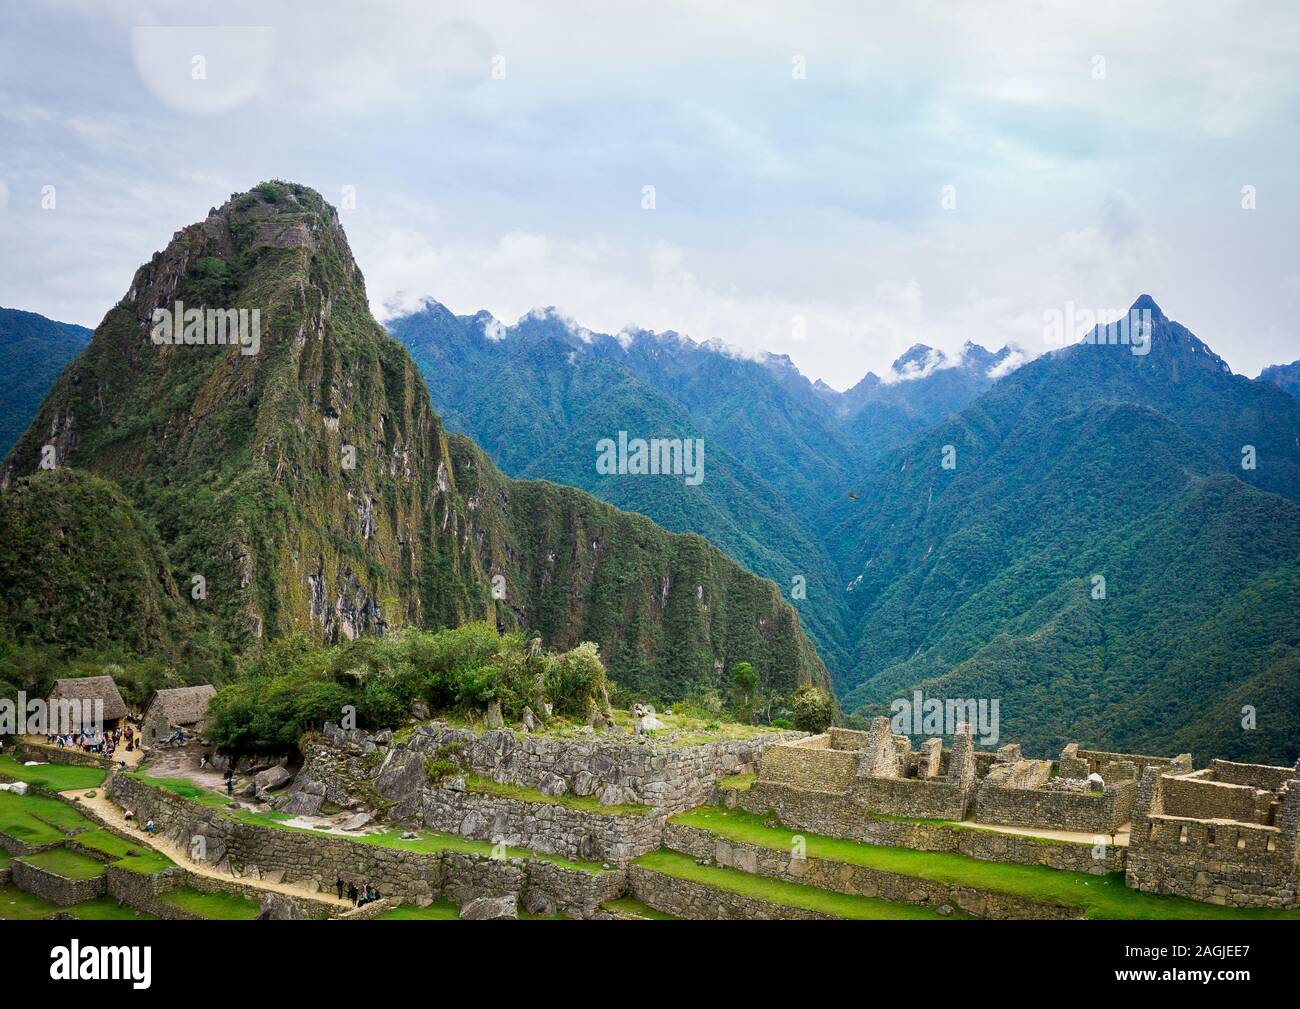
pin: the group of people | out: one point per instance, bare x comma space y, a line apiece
105, 743
366, 895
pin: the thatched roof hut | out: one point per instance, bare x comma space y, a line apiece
177, 708
90, 689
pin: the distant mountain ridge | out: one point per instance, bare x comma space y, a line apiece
779, 448
977, 579
33, 351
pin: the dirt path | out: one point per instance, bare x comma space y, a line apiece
1121, 838
111, 814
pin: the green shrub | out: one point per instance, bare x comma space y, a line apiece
813, 709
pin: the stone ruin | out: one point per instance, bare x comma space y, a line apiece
881, 772
1228, 834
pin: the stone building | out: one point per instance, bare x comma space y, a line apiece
183, 708
90, 702
1226, 834
879, 772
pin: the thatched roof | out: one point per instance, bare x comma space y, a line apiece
91, 688
184, 705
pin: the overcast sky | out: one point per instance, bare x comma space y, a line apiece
499, 153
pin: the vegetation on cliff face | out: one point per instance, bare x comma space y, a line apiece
310, 487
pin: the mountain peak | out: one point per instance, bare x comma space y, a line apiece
1147, 303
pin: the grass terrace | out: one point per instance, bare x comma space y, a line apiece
630, 905
777, 891
18, 905
445, 910
1099, 896
66, 863
52, 777
218, 906
582, 803
738, 782
123, 854
679, 730
430, 843
38, 819
214, 799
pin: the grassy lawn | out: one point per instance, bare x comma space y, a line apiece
220, 906
1099, 896
65, 863
738, 782
582, 803
630, 905
429, 843
18, 905
107, 909
37, 819
53, 777
439, 910
681, 730
445, 910
776, 891
5, 858
125, 855
214, 799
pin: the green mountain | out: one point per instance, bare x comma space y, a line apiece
1286, 376
302, 481
33, 351
780, 450
1091, 463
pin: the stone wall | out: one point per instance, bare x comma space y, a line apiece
1057, 809
545, 827
59, 755
316, 859
1203, 798
840, 817
859, 880
684, 899
1078, 763
1223, 862
619, 769
812, 764
934, 799
52, 887
1255, 775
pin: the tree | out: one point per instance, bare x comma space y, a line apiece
746, 683
813, 709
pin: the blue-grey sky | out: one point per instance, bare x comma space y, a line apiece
801, 156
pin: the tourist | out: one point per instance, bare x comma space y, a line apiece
129, 817
203, 761
150, 827
338, 885
352, 894
230, 786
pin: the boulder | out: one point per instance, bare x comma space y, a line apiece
552, 784
271, 779
280, 907
401, 776
356, 822
490, 908
302, 804
494, 719
531, 722
18, 788
584, 783
539, 903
